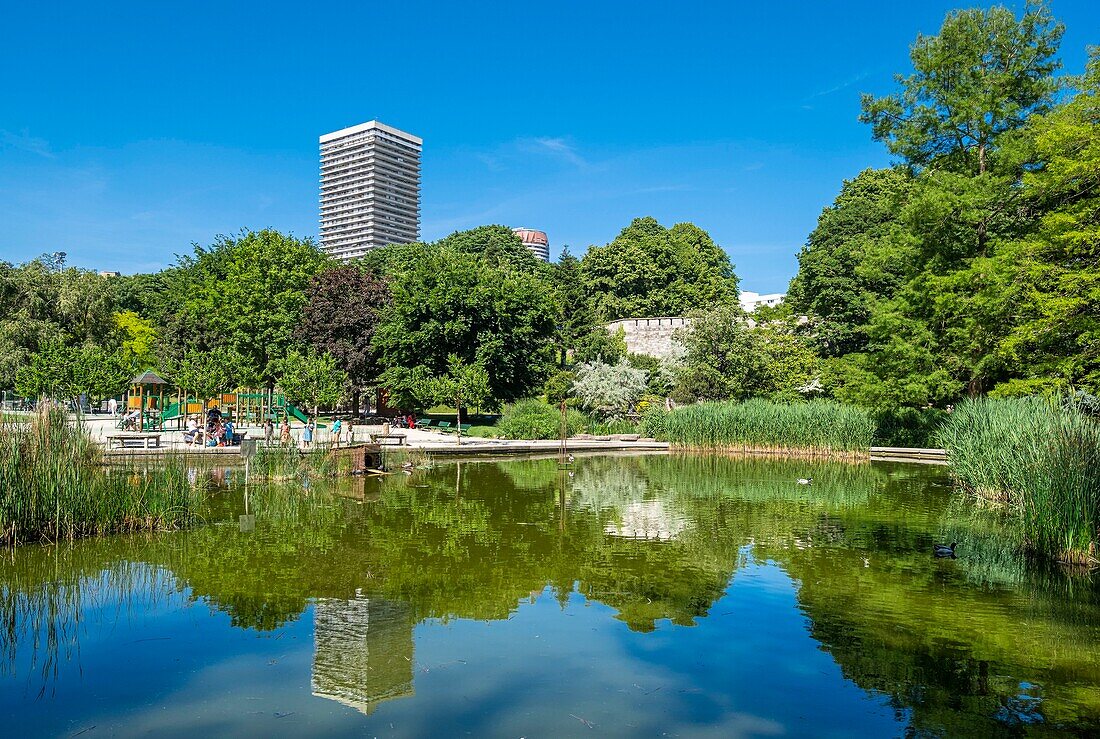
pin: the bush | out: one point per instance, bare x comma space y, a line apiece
533, 419
815, 426
1040, 457
609, 390
908, 427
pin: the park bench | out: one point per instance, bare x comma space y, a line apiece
148, 441
444, 426
394, 439
463, 427
423, 423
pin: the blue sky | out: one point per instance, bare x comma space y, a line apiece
129, 131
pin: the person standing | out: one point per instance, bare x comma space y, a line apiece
284, 432
307, 433
112, 407
269, 431
337, 429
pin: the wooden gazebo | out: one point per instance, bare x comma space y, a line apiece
147, 395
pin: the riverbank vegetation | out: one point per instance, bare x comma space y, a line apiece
1038, 457
816, 427
53, 486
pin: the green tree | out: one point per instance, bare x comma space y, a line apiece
577, 317
1055, 285
207, 373
721, 362
137, 337
730, 358
980, 78
857, 254
448, 302
245, 294
649, 270
310, 377
463, 384
49, 373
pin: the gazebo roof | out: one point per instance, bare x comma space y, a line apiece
148, 377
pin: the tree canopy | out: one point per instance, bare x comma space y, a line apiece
650, 270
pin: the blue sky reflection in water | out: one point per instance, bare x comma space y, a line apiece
693, 596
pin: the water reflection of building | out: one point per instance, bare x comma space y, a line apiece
363, 651
646, 519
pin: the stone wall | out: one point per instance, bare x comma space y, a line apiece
652, 336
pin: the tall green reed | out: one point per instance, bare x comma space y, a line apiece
1040, 458
53, 485
815, 427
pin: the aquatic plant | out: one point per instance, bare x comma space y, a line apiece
1037, 456
816, 427
53, 485
287, 462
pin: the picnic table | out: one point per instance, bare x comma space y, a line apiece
148, 441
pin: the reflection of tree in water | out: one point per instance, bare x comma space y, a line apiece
363, 651
950, 640
618, 490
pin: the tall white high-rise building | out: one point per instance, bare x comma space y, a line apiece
370, 189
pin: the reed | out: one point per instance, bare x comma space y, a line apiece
285, 462
1037, 456
816, 428
53, 486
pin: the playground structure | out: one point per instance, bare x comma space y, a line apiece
144, 402
157, 411
246, 408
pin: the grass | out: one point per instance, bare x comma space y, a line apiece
819, 427
53, 486
1039, 458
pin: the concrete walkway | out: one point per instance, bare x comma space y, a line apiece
433, 442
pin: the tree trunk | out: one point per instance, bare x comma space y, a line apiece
458, 418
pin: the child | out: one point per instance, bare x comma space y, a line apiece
307, 433
284, 432
337, 429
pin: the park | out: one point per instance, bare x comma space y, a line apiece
452, 486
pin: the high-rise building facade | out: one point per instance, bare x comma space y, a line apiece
536, 241
370, 189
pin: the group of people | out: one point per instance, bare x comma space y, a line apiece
216, 432
219, 431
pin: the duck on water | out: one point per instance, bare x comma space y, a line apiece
944, 551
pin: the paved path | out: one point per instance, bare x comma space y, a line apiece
434, 442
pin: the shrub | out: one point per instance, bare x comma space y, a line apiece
559, 387
609, 390
533, 419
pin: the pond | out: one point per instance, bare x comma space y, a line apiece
629, 596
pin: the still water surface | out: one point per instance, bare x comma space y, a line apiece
641, 596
